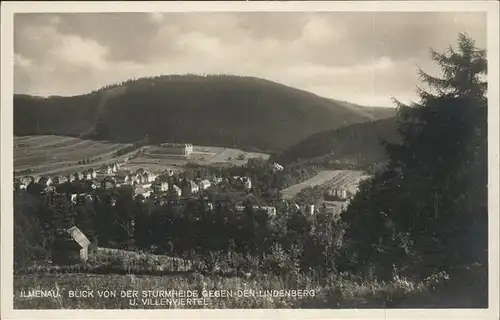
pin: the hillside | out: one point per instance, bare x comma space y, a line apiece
359, 144
227, 111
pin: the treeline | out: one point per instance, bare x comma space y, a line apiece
241, 112
427, 211
357, 146
188, 229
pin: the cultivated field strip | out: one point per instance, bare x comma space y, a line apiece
56, 154
53, 152
62, 146
46, 155
86, 149
49, 143
33, 139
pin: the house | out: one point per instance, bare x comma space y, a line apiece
194, 188
109, 170
308, 209
160, 186
146, 185
45, 181
72, 177
93, 173
242, 182
339, 193
247, 183
26, 181
277, 167
145, 192
139, 178
191, 187
148, 176
78, 197
271, 211
127, 179
81, 176
108, 183
87, 175
70, 247
205, 184
119, 178
177, 190
216, 180
134, 181
60, 180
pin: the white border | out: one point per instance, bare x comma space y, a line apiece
6, 173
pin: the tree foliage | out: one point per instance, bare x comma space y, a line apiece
427, 211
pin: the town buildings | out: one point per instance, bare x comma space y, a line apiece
177, 190
205, 184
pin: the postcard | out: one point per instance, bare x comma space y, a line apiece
247, 159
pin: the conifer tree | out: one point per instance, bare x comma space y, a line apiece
421, 214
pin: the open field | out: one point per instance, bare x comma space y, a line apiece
48, 154
335, 292
217, 155
157, 162
329, 178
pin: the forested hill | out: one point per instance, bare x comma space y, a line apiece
223, 110
359, 144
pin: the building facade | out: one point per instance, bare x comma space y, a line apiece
71, 247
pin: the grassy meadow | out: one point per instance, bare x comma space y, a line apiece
121, 271
333, 292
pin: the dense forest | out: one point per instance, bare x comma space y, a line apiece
360, 145
228, 111
423, 214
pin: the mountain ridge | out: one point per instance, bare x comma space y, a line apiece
223, 110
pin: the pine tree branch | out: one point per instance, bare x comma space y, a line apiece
434, 82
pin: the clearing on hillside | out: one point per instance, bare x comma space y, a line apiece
331, 178
49, 154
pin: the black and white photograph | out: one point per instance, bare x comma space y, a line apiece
299, 159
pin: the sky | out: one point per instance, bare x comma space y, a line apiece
360, 57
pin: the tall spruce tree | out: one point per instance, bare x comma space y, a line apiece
427, 211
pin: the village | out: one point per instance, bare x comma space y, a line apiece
172, 186
151, 186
